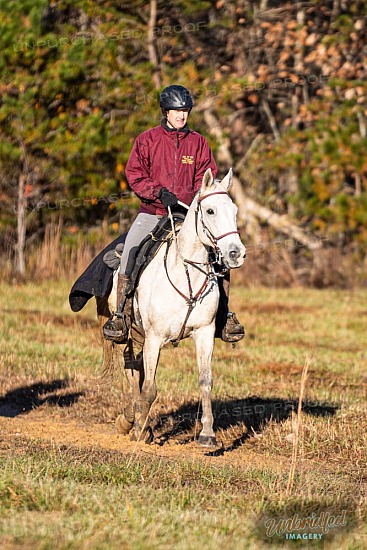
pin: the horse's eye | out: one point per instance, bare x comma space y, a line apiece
210, 211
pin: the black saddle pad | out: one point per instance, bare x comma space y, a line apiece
96, 280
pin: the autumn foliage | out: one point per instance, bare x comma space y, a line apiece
286, 80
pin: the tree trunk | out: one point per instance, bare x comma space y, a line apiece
21, 226
153, 57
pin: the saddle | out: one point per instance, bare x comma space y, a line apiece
141, 256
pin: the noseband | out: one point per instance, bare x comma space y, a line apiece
213, 239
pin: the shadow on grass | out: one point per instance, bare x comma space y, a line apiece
249, 416
26, 398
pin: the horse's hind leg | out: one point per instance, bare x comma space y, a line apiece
148, 394
204, 340
134, 373
125, 421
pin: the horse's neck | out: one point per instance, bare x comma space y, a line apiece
189, 244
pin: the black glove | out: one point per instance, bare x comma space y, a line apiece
167, 198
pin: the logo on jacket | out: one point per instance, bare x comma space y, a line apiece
187, 159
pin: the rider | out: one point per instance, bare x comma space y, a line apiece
166, 165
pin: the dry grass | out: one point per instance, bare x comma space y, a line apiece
297, 435
66, 475
64, 251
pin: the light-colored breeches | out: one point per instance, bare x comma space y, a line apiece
142, 225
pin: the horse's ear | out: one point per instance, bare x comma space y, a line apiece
228, 180
208, 180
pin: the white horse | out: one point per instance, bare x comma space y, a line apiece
177, 296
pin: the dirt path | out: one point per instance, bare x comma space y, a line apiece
56, 430
62, 412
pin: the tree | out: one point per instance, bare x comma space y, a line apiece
279, 88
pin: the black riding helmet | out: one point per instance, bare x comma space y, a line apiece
175, 98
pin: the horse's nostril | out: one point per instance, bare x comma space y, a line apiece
234, 254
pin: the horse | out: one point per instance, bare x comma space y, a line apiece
177, 297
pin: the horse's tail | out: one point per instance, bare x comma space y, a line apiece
112, 362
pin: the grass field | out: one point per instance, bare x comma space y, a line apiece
68, 480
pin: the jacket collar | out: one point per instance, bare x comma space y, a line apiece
164, 125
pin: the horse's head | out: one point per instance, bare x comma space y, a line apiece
216, 223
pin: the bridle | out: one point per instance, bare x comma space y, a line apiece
210, 274
212, 238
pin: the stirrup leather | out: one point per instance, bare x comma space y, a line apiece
118, 325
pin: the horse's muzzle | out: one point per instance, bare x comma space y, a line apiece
236, 257
234, 254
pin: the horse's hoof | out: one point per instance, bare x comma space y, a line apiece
147, 437
207, 441
123, 425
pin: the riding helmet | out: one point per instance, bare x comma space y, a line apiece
175, 98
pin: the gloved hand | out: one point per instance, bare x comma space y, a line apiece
167, 198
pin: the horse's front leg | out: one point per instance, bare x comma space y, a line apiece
148, 394
204, 340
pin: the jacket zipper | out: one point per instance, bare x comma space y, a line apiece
175, 162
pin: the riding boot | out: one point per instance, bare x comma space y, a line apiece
227, 326
117, 327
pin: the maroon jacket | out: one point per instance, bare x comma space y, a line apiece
162, 157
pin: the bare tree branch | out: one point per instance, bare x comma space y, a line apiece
271, 118
362, 124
